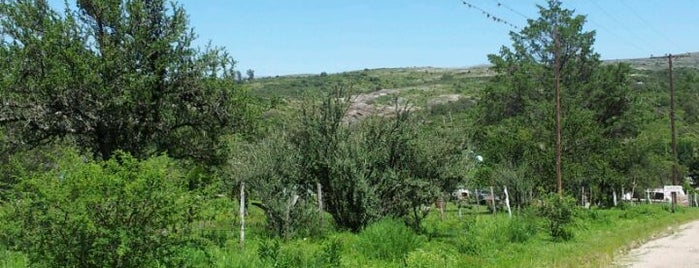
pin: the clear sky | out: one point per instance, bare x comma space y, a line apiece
279, 37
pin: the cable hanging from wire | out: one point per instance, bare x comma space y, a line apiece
489, 15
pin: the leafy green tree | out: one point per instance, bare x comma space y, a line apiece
116, 75
368, 169
515, 118
116, 213
251, 74
269, 168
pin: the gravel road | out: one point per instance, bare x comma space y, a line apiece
678, 249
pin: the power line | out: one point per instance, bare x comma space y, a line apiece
490, 15
616, 20
661, 34
500, 4
629, 42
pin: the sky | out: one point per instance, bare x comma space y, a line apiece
282, 37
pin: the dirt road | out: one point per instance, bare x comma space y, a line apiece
679, 249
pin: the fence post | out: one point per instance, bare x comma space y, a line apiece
242, 214
507, 202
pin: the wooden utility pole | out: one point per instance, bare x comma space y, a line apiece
673, 143
556, 82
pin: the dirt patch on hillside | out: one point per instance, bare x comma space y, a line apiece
364, 105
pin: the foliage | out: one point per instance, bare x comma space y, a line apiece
522, 228
387, 239
559, 212
118, 213
514, 120
366, 168
116, 75
269, 252
432, 257
331, 255
270, 170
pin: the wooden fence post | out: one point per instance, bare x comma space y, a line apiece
507, 202
320, 206
492, 198
242, 214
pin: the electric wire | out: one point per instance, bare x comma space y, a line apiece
500, 4
490, 15
622, 25
649, 25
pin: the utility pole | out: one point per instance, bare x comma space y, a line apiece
556, 82
673, 143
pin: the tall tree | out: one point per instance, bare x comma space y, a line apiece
516, 113
115, 75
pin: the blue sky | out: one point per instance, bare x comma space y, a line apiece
279, 37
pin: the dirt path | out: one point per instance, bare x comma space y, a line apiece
679, 249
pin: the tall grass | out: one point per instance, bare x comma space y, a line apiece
477, 239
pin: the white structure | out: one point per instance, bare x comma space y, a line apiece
665, 194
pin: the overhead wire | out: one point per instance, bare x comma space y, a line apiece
599, 26
489, 14
649, 25
623, 26
500, 4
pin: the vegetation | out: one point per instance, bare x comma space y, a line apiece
123, 146
117, 75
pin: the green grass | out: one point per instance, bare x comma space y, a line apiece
477, 239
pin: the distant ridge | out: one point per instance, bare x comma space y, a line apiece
656, 64
637, 63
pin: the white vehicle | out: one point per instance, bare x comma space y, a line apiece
665, 194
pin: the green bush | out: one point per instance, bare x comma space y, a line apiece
118, 213
389, 239
559, 212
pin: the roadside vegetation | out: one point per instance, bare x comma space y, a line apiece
124, 146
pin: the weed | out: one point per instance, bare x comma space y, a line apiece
388, 239
269, 251
521, 229
330, 255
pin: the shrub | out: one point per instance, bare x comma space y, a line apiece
558, 211
118, 213
388, 239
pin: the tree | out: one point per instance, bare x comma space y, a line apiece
269, 169
116, 75
515, 116
251, 74
368, 169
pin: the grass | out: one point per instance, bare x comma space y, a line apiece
480, 239
477, 239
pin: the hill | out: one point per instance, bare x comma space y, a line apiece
431, 89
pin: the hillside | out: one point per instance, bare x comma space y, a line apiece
428, 88
685, 60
